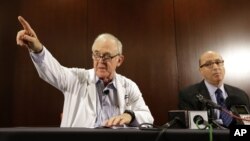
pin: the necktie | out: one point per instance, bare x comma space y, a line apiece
227, 119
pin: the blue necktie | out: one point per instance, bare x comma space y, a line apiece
226, 118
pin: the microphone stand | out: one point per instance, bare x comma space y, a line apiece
211, 119
217, 125
210, 106
210, 112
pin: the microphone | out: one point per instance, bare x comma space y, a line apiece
208, 102
171, 122
233, 100
236, 105
106, 92
181, 117
239, 109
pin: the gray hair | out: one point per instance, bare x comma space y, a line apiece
104, 36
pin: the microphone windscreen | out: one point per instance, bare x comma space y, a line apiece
181, 118
198, 119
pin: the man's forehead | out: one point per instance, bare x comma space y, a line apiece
104, 50
107, 43
210, 57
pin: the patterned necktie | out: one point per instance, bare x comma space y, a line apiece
226, 118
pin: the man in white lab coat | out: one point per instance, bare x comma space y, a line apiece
92, 97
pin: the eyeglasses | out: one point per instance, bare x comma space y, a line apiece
210, 64
104, 57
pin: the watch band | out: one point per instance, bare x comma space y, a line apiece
131, 113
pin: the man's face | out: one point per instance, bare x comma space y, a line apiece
212, 68
106, 58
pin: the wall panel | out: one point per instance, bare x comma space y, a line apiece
162, 42
221, 26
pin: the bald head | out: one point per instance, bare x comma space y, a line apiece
208, 54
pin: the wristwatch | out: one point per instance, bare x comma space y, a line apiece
131, 113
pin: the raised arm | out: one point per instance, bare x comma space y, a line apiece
27, 37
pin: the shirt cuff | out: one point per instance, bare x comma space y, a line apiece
38, 57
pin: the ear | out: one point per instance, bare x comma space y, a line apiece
201, 72
120, 60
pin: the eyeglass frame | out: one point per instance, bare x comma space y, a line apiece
105, 57
211, 63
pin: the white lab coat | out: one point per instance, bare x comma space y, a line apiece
79, 89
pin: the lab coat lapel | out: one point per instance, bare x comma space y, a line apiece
91, 89
92, 96
121, 96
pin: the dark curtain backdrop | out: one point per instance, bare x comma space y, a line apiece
162, 42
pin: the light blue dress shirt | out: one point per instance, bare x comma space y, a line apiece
211, 90
107, 103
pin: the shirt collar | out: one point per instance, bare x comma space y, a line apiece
211, 88
113, 82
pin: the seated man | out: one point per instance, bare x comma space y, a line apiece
92, 97
211, 67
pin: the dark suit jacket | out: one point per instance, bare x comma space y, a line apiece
189, 101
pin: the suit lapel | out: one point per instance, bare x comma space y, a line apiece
203, 90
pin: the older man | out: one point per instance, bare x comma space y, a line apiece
92, 97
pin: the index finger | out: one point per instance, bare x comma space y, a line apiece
25, 24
